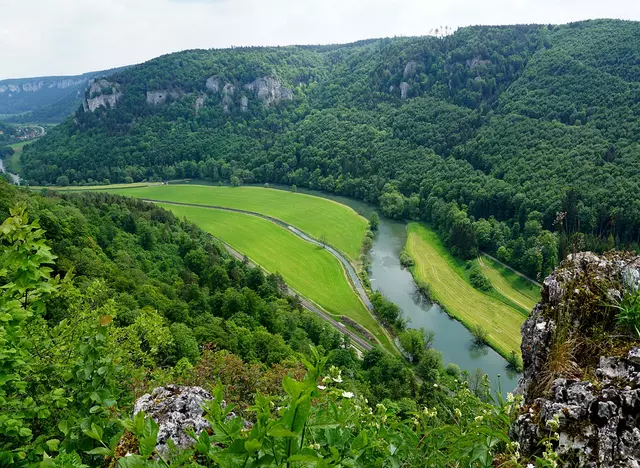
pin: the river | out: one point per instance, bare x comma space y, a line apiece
14, 177
396, 283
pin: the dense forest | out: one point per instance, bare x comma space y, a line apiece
103, 298
522, 141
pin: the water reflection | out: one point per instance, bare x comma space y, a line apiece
452, 339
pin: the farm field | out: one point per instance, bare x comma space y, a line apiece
13, 163
511, 285
310, 270
342, 227
444, 274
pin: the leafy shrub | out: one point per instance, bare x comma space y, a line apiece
628, 316
478, 280
406, 260
480, 335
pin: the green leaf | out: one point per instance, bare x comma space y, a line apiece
64, 427
25, 432
100, 451
360, 441
281, 431
291, 387
252, 445
95, 432
53, 444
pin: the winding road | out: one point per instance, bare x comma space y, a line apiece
351, 273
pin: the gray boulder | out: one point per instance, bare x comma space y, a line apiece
175, 409
594, 399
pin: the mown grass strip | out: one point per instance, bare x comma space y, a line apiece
435, 266
309, 269
338, 224
519, 290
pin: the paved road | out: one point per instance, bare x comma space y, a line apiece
309, 306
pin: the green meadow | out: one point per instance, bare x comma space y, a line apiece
340, 225
308, 269
496, 312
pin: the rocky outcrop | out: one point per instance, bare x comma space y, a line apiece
409, 69
213, 84
591, 402
404, 90
227, 96
159, 97
477, 61
269, 90
175, 409
199, 103
33, 86
244, 103
66, 83
101, 93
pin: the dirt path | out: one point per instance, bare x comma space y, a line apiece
513, 270
502, 291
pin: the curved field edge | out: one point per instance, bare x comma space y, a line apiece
311, 271
338, 224
435, 267
513, 286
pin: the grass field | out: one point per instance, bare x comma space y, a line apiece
435, 266
13, 163
511, 285
310, 270
342, 227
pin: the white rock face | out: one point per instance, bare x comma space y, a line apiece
269, 90
404, 89
199, 103
156, 98
213, 84
227, 96
33, 86
244, 103
409, 69
66, 83
98, 97
475, 61
175, 409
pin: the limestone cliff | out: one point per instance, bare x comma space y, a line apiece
269, 90
581, 380
158, 97
101, 93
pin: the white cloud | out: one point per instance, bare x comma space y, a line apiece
54, 37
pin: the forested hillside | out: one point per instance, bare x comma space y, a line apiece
104, 298
520, 140
44, 99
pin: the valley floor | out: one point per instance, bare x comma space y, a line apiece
500, 312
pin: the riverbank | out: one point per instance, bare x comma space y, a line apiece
449, 287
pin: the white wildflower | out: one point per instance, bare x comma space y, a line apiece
510, 397
321, 387
347, 394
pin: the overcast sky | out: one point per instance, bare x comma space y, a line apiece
64, 37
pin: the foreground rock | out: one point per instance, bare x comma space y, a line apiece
175, 409
590, 401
